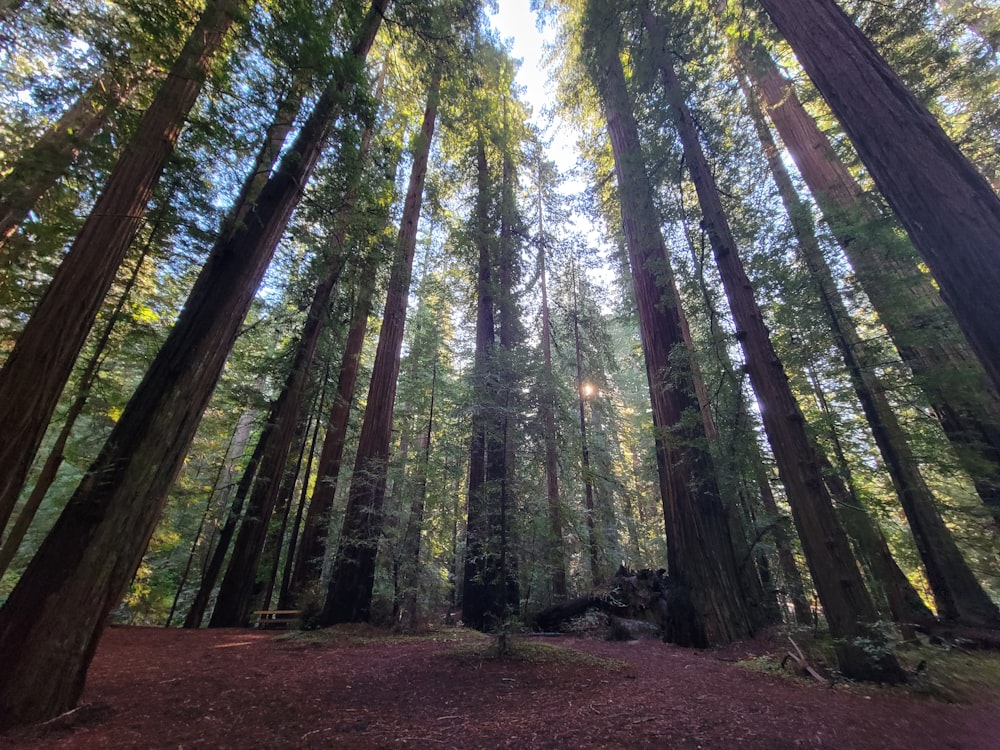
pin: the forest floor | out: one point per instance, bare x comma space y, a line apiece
355, 687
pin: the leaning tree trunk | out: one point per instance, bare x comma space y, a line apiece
51, 623
921, 327
350, 591
39, 167
957, 593
947, 207
848, 606
42, 360
235, 592
700, 550
312, 545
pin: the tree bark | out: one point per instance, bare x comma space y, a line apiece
350, 591
51, 623
41, 362
700, 551
947, 207
848, 606
922, 329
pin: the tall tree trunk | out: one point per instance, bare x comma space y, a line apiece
84, 565
957, 593
312, 546
848, 606
39, 167
224, 539
947, 207
480, 586
700, 551
42, 360
410, 552
224, 468
285, 595
350, 591
583, 392
922, 329
547, 407
905, 605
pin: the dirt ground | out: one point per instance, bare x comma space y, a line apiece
158, 688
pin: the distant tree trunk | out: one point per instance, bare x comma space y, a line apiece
500, 462
480, 594
922, 329
947, 207
848, 606
547, 407
583, 391
41, 165
700, 550
284, 596
224, 468
410, 552
42, 360
957, 593
224, 539
312, 546
84, 565
983, 22
350, 591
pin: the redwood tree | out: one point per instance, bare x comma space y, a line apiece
710, 606
350, 591
37, 369
53, 619
947, 207
846, 601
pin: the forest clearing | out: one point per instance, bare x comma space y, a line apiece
360, 687
347, 313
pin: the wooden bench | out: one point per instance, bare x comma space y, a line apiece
276, 618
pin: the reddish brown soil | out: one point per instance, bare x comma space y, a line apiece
155, 688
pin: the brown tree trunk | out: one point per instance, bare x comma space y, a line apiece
947, 207
285, 594
700, 552
233, 601
957, 593
410, 551
848, 606
547, 407
350, 591
921, 327
312, 546
84, 565
39, 167
480, 598
583, 391
225, 536
41, 362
